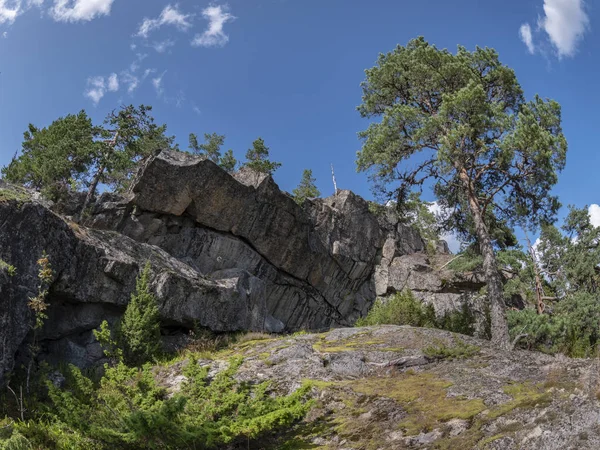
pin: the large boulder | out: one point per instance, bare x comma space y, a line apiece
317, 260
94, 275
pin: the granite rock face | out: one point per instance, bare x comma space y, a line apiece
317, 260
227, 253
94, 274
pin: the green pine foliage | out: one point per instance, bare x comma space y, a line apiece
400, 309
129, 409
140, 328
571, 259
418, 213
307, 188
53, 158
211, 147
403, 308
572, 328
467, 261
73, 154
228, 161
212, 150
459, 122
569, 264
257, 158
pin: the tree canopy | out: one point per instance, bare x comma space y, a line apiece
307, 188
460, 122
55, 158
72, 152
211, 147
212, 150
257, 158
571, 261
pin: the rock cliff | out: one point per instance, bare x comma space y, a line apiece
227, 253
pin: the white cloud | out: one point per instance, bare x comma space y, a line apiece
131, 81
80, 10
157, 83
98, 86
113, 82
96, 89
132, 47
135, 65
10, 10
526, 37
163, 46
594, 211
214, 36
169, 16
565, 22
196, 110
5, 34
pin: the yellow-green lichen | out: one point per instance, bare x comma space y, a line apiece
10, 269
424, 397
524, 395
7, 195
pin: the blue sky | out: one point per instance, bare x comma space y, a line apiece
286, 70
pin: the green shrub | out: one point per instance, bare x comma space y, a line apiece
400, 309
10, 269
460, 350
572, 328
462, 322
139, 333
404, 309
129, 409
16, 442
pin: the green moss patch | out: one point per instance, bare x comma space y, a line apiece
425, 399
7, 195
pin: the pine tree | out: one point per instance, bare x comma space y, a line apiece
194, 146
211, 147
55, 158
258, 158
140, 328
129, 137
491, 157
228, 161
307, 188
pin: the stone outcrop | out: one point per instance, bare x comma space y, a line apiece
226, 252
317, 260
392, 387
94, 274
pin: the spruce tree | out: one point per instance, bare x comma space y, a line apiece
306, 188
140, 327
257, 158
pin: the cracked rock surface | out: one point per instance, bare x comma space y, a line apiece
227, 253
388, 387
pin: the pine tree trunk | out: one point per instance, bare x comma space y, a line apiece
92, 189
499, 324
